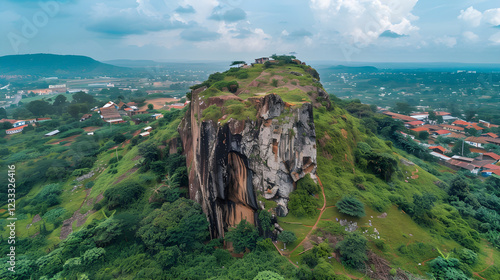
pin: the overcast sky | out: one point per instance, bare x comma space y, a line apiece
340, 30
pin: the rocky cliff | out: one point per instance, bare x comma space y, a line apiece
233, 162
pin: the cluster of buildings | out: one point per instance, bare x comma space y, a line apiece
19, 125
484, 164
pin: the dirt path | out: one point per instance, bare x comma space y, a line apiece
319, 217
490, 262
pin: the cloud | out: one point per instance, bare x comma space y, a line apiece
495, 38
470, 36
122, 22
233, 15
188, 9
363, 21
447, 41
199, 34
295, 35
492, 16
390, 34
471, 16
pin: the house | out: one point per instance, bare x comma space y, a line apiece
492, 156
15, 123
111, 104
489, 134
110, 114
440, 156
487, 124
457, 165
176, 106
144, 134
52, 133
494, 141
478, 142
148, 128
454, 128
414, 123
438, 149
420, 129
463, 159
85, 117
399, 116
157, 116
474, 126
442, 132
16, 129
261, 60
461, 123
407, 135
43, 119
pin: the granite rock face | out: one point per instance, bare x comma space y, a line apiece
230, 165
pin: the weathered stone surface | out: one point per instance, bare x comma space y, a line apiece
230, 164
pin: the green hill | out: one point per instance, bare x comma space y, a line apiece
46, 65
113, 205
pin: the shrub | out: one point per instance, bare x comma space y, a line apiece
353, 250
467, 256
123, 194
351, 206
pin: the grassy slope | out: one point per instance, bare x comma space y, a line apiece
76, 199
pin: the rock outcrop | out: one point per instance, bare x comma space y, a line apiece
230, 165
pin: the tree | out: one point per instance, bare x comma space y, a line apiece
3, 113
404, 108
82, 97
268, 275
243, 236
423, 135
39, 107
237, 62
287, 237
353, 250
59, 101
470, 114
265, 222
459, 187
150, 106
351, 206
180, 223
447, 269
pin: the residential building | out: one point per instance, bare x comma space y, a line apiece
16, 129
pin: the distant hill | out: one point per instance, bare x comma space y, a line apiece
132, 63
353, 69
56, 65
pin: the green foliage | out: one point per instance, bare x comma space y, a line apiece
265, 222
302, 204
351, 206
243, 236
213, 112
268, 275
447, 269
179, 223
287, 236
324, 271
123, 194
307, 184
467, 256
54, 215
353, 250
93, 255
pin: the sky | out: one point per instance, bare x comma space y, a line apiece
319, 30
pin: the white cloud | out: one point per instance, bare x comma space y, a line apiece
447, 41
362, 21
492, 16
495, 38
470, 36
471, 16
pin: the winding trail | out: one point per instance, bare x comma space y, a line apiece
319, 217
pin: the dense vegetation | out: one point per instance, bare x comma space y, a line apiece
133, 195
